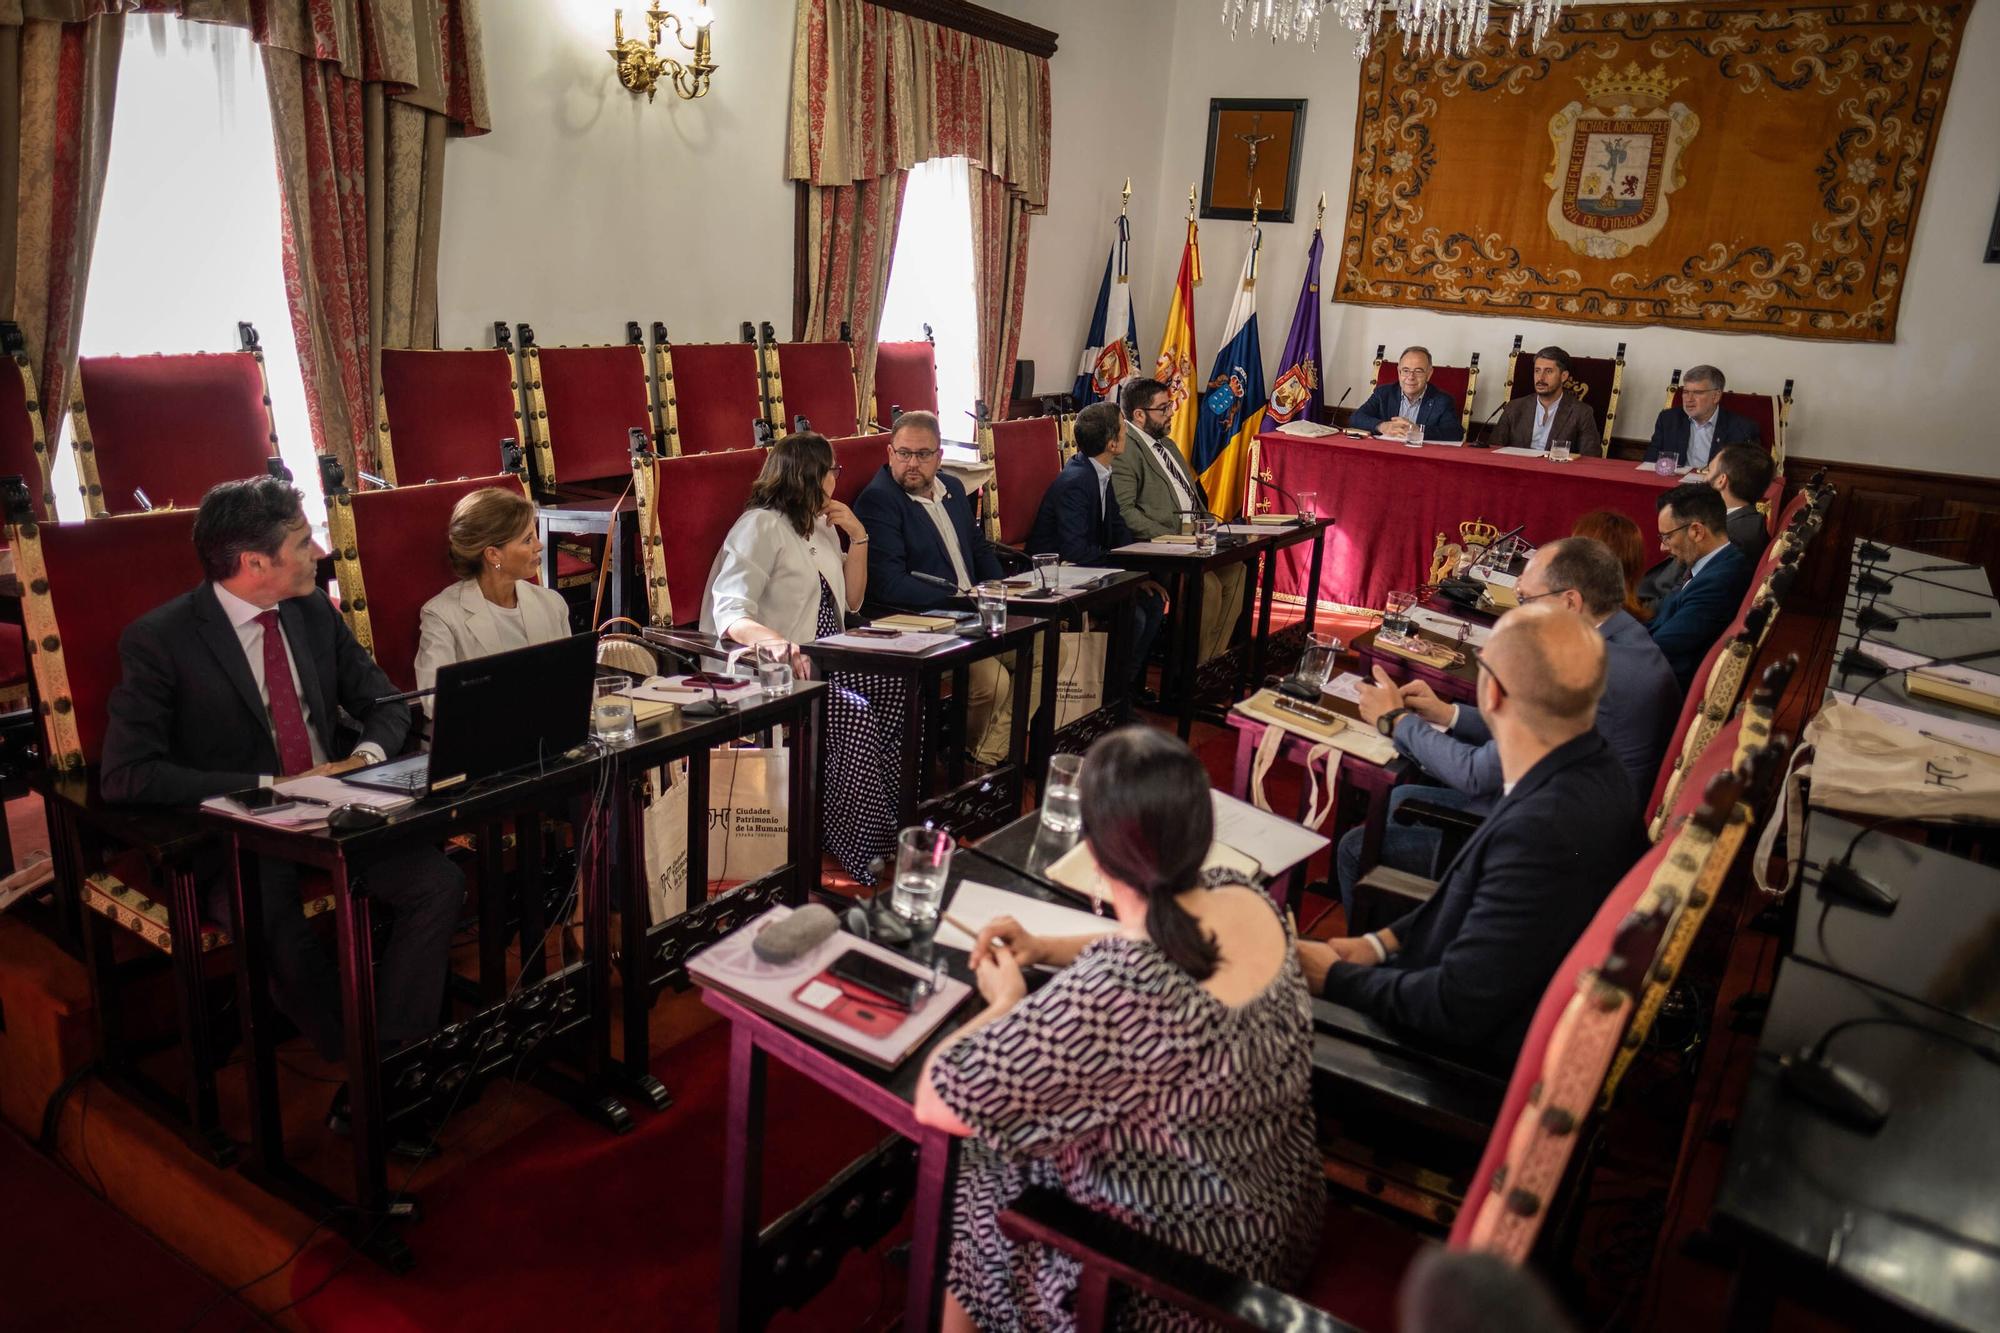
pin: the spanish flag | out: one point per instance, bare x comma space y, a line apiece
1175, 368
1229, 408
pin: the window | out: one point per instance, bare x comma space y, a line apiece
188, 239
930, 282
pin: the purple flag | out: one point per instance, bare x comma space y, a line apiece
1295, 393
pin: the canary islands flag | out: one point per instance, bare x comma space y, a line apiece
1175, 368
1232, 402
1111, 351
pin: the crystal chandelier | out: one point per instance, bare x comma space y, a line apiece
1428, 27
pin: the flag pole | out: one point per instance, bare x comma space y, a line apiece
1256, 207
1320, 221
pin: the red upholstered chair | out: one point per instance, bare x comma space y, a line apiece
1597, 380
705, 494
1461, 382
711, 397
83, 584
815, 381
906, 378
1027, 455
391, 555
443, 415
860, 457
1769, 412
171, 426
583, 405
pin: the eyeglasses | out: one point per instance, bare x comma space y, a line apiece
1479, 660
1523, 598
1159, 409
915, 455
1687, 392
1671, 531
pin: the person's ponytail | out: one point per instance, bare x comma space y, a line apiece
1179, 936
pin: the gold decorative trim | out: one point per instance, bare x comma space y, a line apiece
987, 455
774, 389
31, 397
340, 532
45, 651
87, 479
385, 454
148, 918
669, 399
541, 448
652, 558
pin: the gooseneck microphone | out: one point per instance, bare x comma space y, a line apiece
1297, 518
1867, 580
1868, 620
1872, 551
1486, 426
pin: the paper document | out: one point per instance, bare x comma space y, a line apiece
1253, 529
1346, 686
1422, 444
976, 904
1516, 451
335, 792
1449, 626
1951, 730
1277, 843
1311, 430
1493, 577
1896, 659
1648, 467
298, 816
910, 642
1076, 871
1158, 548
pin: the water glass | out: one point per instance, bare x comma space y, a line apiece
774, 667
1048, 576
611, 718
1062, 799
1667, 464
1416, 435
1396, 613
1308, 505
1204, 537
1559, 451
923, 864
992, 600
1317, 662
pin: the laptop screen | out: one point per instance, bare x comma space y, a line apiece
511, 710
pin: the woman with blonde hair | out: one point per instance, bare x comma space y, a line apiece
496, 604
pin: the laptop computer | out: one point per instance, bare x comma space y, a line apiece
496, 715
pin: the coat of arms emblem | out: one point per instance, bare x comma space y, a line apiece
1617, 158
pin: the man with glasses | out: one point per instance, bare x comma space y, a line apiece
920, 523
1742, 473
1464, 971
1156, 491
1453, 744
1694, 529
1693, 431
1411, 401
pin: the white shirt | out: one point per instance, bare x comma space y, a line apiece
768, 573
1701, 441
243, 616
1545, 418
1103, 484
933, 504
1184, 498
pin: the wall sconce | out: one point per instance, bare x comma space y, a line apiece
640, 64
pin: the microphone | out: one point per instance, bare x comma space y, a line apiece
1867, 620
1873, 551
1298, 519
1486, 426
932, 578
1840, 879
1869, 581
406, 696
1846, 1094
1854, 662
1337, 406
1222, 539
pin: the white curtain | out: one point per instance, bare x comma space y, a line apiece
930, 282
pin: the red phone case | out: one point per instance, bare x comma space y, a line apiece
862, 1010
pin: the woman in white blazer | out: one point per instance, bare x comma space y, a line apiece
782, 575
496, 604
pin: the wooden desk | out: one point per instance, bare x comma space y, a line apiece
1231, 673
1458, 683
968, 807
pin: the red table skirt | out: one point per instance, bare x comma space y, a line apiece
1389, 502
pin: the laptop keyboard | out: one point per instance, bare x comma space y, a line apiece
411, 774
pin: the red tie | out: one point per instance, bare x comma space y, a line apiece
287, 718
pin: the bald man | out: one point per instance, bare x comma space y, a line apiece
1464, 972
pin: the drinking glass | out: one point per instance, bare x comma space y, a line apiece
1416, 435
1396, 613
1047, 575
1308, 505
1667, 464
774, 667
611, 717
1062, 801
1559, 451
1204, 537
992, 600
923, 864
1317, 662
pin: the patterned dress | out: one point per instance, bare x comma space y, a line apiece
1135, 1091
862, 794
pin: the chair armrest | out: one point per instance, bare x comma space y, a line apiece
1132, 1259
1385, 895
1356, 1059
1442, 817
163, 834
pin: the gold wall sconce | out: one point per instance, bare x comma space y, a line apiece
640, 64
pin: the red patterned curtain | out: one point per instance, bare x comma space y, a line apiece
874, 92
58, 82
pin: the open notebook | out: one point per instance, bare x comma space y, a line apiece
1250, 842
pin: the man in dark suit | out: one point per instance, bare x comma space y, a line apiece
1548, 415
1742, 472
1079, 520
1465, 970
920, 522
1411, 401
1693, 431
242, 682
1636, 716
1694, 530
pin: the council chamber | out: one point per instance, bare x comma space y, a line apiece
868, 664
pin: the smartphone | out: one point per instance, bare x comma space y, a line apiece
712, 681
263, 801
893, 984
871, 632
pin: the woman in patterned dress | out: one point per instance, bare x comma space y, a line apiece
781, 575
1163, 1076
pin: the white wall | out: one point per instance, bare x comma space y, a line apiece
1921, 402
587, 207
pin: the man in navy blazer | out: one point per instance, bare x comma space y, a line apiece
1079, 520
920, 521
1697, 428
1636, 716
1464, 971
1694, 529
1393, 408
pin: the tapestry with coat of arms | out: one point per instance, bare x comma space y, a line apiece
1729, 167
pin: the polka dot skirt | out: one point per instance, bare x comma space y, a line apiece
861, 796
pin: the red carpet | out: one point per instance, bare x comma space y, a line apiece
62, 1241
569, 1227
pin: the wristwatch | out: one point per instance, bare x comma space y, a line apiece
1386, 724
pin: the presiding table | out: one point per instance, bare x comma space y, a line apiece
1389, 502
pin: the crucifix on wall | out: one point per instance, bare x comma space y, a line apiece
1253, 145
